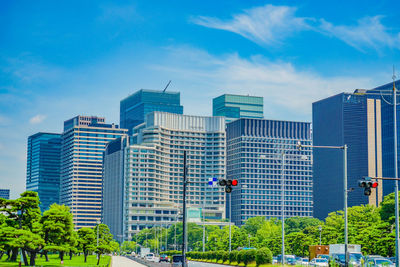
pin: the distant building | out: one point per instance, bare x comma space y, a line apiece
83, 142
146, 178
134, 108
238, 106
43, 167
5, 193
357, 121
254, 158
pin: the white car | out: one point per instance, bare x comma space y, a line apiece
304, 262
150, 257
319, 262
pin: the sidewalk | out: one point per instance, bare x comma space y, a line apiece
118, 261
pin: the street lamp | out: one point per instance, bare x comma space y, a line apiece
320, 232
344, 148
98, 223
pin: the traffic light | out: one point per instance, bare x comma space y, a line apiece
367, 184
228, 184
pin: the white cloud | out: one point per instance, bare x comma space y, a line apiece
288, 91
37, 119
266, 25
270, 25
369, 32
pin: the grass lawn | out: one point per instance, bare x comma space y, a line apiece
54, 261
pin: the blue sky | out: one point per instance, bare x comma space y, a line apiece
63, 58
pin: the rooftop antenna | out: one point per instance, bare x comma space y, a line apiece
166, 86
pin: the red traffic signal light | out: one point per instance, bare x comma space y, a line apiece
234, 182
375, 184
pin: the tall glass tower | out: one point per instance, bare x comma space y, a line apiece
254, 157
5, 193
134, 108
43, 167
83, 142
238, 106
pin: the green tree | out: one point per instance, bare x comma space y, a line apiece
86, 241
128, 247
298, 224
58, 229
105, 241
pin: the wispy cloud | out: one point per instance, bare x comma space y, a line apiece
270, 25
369, 32
118, 12
37, 119
266, 25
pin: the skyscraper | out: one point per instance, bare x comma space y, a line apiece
83, 142
134, 108
5, 193
43, 167
354, 120
254, 158
238, 106
153, 169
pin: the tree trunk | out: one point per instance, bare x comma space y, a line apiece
25, 257
1, 254
70, 255
8, 254
46, 256
85, 254
98, 258
62, 255
14, 254
32, 259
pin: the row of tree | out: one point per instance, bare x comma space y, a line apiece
371, 227
24, 228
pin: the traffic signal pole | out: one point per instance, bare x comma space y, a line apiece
346, 240
396, 183
184, 212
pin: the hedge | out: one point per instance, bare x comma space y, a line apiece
263, 255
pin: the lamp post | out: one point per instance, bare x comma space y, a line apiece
230, 220
283, 207
344, 148
320, 232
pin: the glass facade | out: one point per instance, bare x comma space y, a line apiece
384, 92
83, 142
353, 120
134, 108
153, 170
5, 193
43, 167
238, 106
254, 157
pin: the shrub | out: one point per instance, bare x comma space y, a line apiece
219, 254
225, 256
263, 255
233, 256
249, 256
241, 256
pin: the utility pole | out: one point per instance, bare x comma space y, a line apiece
346, 240
204, 226
230, 220
283, 207
396, 183
184, 211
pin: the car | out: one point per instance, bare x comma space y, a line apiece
150, 257
177, 260
379, 262
324, 256
163, 258
355, 259
304, 262
274, 260
318, 262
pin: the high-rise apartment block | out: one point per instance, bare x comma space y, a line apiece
5, 193
357, 121
134, 108
152, 172
238, 106
83, 142
272, 172
43, 167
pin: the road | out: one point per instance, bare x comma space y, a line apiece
124, 261
191, 264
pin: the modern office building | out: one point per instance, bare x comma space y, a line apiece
5, 193
354, 120
263, 156
43, 167
134, 108
83, 142
238, 106
152, 174
384, 94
